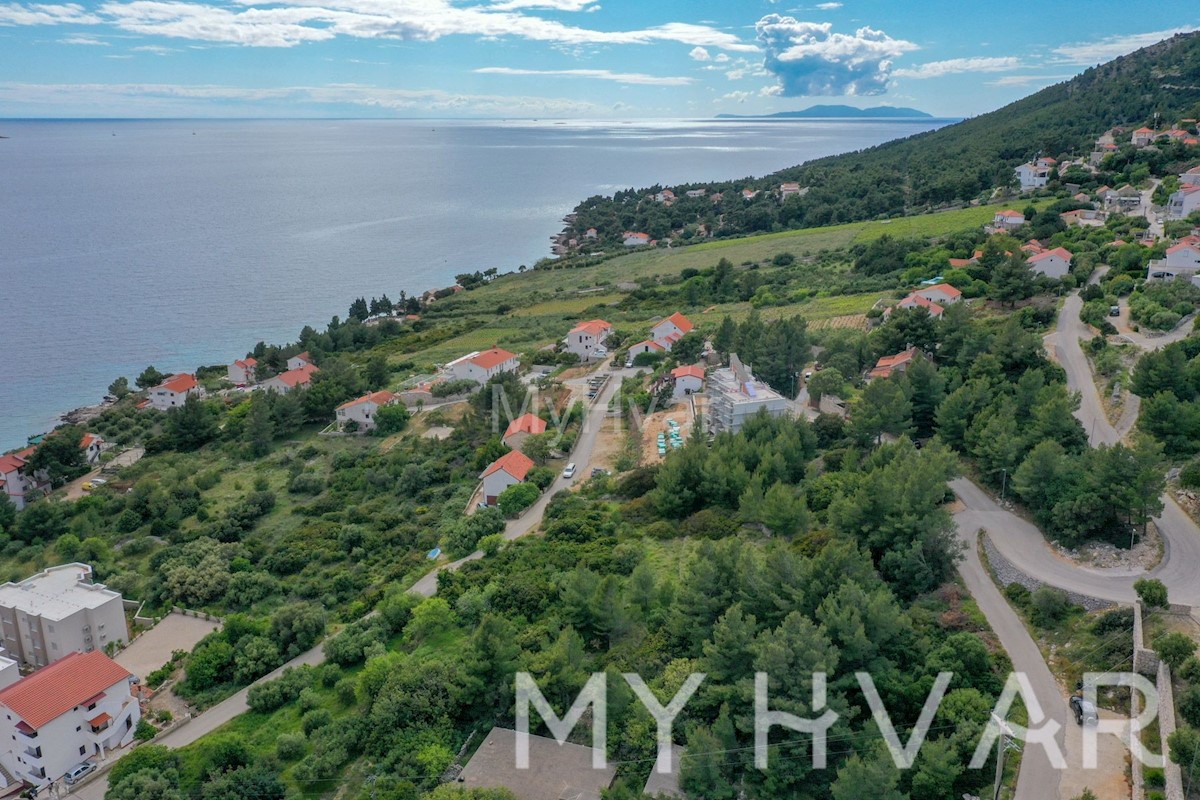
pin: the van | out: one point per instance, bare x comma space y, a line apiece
79, 771
569, 472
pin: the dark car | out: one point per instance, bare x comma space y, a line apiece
1084, 711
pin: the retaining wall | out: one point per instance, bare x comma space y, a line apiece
1005, 573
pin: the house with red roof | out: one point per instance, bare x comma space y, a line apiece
665, 196
1142, 137
1054, 263
1033, 175
242, 371
522, 428
297, 378
1184, 202
887, 366
1008, 219
482, 366
361, 411
172, 392
670, 330
915, 300
941, 293
646, 346
1190, 178
80, 707
591, 233
687, 380
92, 444
510, 468
787, 190
749, 194
18, 479
635, 238
1182, 260
300, 360
584, 338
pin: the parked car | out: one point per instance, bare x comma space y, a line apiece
569, 472
1084, 711
86, 486
77, 773
98, 481
1114, 311
598, 471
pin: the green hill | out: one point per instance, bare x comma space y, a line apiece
937, 169
836, 112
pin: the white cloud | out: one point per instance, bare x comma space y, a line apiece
736, 97
1025, 80
1110, 47
170, 98
286, 23
810, 59
597, 74
699, 54
84, 40
828, 6
955, 66
721, 57
157, 50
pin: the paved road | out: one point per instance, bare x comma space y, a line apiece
581, 455
1079, 372
1037, 778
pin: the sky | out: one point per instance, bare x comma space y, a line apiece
578, 59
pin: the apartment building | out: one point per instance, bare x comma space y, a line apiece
735, 395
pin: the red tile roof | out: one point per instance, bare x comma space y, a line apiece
649, 343
179, 384
945, 289
246, 363
295, 377
514, 462
305, 356
1009, 213
961, 262
1061, 252
683, 323
689, 371
378, 398
595, 327
1184, 245
11, 463
526, 423
917, 300
491, 358
54, 690
88, 439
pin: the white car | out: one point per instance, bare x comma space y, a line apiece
569, 472
78, 772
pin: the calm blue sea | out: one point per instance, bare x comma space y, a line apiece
179, 243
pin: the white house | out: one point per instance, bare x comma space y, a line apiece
80, 707
749, 194
1183, 259
300, 360
295, 378
693, 193
362, 410
1033, 176
665, 196
91, 444
670, 330
634, 239
918, 301
591, 233
646, 346
941, 293
688, 380
1184, 202
522, 428
585, 337
1008, 219
1190, 178
59, 611
241, 371
482, 366
508, 469
172, 392
786, 190
1054, 263
18, 480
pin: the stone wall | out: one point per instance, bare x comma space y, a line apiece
1166, 726
1005, 573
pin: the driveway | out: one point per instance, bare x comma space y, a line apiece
527, 522
153, 648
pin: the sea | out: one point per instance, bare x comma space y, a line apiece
179, 243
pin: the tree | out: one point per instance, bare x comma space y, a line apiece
516, 498
60, 455
826, 381
925, 389
783, 511
8, 514
1152, 592
724, 339
1012, 280
297, 627
1174, 648
391, 419
260, 426
1184, 746
377, 372
147, 758
871, 775
883, 408
687, 350
191, 425
431, 617
119, 388
149, 377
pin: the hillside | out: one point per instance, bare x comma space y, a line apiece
955, 164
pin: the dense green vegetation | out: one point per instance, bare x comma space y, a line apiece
953, 165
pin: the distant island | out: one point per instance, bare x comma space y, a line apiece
837, 112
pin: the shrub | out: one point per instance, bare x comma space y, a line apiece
1174, 648
266, 697
1017, 594
1151, 592
1154, 778
1049, 605
1189, 706
145, 731
517, 498
1189, 476
289, 746
315, 720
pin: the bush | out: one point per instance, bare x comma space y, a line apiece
315, 720
266, 697
289, 746
1049, 605
517, 498
1189, 706
145, 731
1154, 778
1017, 594
1175, 649
1189, 476
1151, 592
541, 477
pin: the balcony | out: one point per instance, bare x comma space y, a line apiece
34, 753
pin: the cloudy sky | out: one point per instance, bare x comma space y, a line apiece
628, 59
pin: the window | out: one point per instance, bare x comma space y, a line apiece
50, 628
54, 645
82, 749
